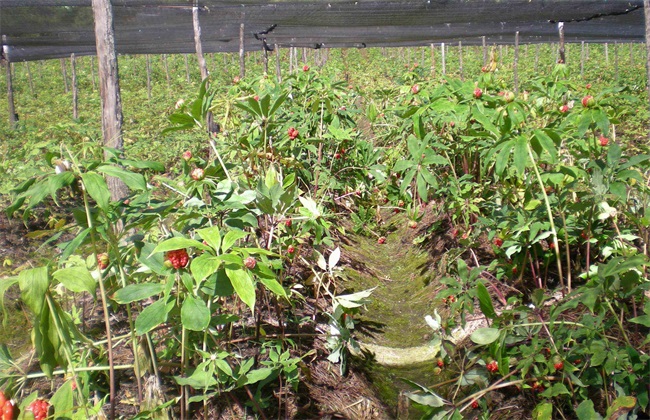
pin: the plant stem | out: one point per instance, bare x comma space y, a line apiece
556, 246
618, 321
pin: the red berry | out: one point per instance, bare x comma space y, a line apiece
250, 263
8, 410
564, 108
102, 262
381, 240
235, 80
498, 242
415, 89
187, 155
413, 224
178, 258
39, 408
514, 270
451, 299
588, 101
197, 174
305, 68
603, 141
493, 366
509, 96
287, 222
291, 249
474, 404
559, 366
440, 363
478, 93
337, 156
256, 97
588, 86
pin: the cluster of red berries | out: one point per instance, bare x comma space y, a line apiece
381, 240
198, 174
498, 241
187, 155
474, 404
178, 258
339, 154
305, 68
478, 93
102, 261
6, 407
559, 365
564, 108
39, 408
413, 224
440, 363
415, 89
293, 133
449, 299
291, 249
588, 101
538, 387
603, 141
493, 366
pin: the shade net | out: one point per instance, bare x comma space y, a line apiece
41, 29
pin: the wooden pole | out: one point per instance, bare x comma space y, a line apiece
290, 60
460, 59
444, 64
187, 68
75, 93
30, 78
646, 10
433, 61
10, 97
148, 62
484, 51
198, 46
242, 64
265, 59
606, 53
65, 75
515, 63
616, 60
304, 55
560, 28
278, 72
582, 59
536, 57
163, 58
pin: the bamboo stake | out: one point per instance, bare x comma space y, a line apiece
10, 97
197, 42
444, 64
278, 72
433, 61
148, 64
242, 59
29, 76
606, 53
75, 93
536, 57
515, 63
187, 68
582, 59
166, 67
460, 59
560, 28
616, 60
484, 50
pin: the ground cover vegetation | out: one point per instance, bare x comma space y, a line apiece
228, 282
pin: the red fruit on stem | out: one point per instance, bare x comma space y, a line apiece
413, 224
8, 410
603, 141
440, 363
178, 258
415, 89
198, 174
287, 222
337, 156
381, 240
291, 249
474, 404
564, 108
235, 80
305, 68
102, 263
588, 86
498, 242
187, 155
478, 93
559, 366
39, 408
250, 263
256, 97
509, 96
493, 366
588, 101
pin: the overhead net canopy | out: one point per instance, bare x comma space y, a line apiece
40, 29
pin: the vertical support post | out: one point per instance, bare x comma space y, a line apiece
587, 52
10, 97
64, 73
290, 60
444, 64
265, 58
433, 61
30, 78
304, 55
536, 56
616, 60
169, 83
278, 72
501, 54
582, 59
75, 93
148, 62
460, 59
484, 50
422, 59
197, 42
92, 71
515, 64
646, 10
242, 60
631, 55
187, 68
606, 53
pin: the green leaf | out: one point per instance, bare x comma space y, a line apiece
72, 246
243, 285
585, 411
195, 315
152, 316
520, 156
485, 301
602, 122
485, 336
97, 189
33, 283
133, 180
179, 242
5, 284
135, 292
259, 375
547, 144
621, 405
613, 155
555, 390
429, 399
76, 279
62, 400
274, 286
211, 235
643, 320
230, 238
543, 411
203, 266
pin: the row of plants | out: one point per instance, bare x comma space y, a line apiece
205, 245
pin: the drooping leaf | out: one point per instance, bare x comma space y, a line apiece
195, 315
243, 285
133, 180
76, 279
485, 301
135, 292
485, 336
33, 283
203, 266
179, 242
97, 189
152, 316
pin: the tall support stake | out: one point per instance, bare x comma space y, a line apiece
148, 62
166, 67
10, 96
536, 57
197, 41
290, 60
278, 72
29, 76
444, 64
75, 93
616, 60
631, 55
64, 73
460, 59
433, 60
92, 71
515, 64
265, 59
582, 59
606, 53
484, 51
242, 64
